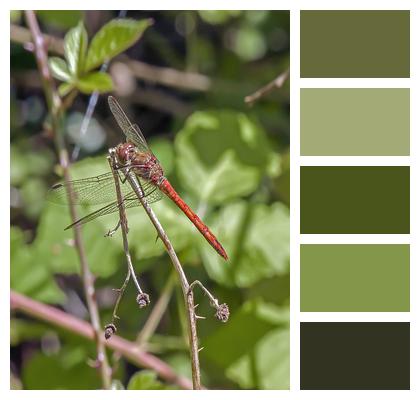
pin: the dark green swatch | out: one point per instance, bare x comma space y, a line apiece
355, 355
357, 199
355, 277
355, 122
355, 44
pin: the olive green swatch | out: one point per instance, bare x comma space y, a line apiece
355, 278
355, 44
346, 200
355, 122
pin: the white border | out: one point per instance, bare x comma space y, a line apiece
294, 6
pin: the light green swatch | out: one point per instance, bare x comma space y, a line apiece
355, 278
355, 122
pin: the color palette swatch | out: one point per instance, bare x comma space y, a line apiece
355, 44
355, 199
355, 278
355, 122
355, 355
367, 273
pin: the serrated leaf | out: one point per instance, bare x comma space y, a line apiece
75, 46
221, 155
95, 81
59, 69
114, 38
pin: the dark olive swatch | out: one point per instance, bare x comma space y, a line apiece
355, 356
355, 44
355, 277
355, 200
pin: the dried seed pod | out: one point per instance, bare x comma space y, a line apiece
143, 300
222, 313
110, 329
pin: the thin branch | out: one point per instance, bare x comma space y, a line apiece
129, 350
55, 108
169, 76
142, 298
19, 34
123, 219
161, 100
120, 291
275, 84
222, 310
188, 294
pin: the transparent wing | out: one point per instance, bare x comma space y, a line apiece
114, 207
131, 131
95, 190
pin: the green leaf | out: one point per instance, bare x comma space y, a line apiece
75, 46
67, 369
95, 81
60, 19
59, 69
146, 380
114, 38
256, 238
29, 275
117, 385
260, 357
217, 17
269, 360
65, 88
221, 155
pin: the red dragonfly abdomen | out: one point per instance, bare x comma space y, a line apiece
167, 188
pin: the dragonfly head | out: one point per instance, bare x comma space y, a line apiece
126, 152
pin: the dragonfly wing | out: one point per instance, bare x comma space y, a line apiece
108, 209
89, 191
130, 202
131, 131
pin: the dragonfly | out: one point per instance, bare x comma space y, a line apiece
135, 156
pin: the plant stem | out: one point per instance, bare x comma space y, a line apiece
188, 294
55, 108
82, 328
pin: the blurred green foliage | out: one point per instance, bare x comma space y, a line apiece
230, 163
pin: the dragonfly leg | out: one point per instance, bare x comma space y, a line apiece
112, 231
126, 172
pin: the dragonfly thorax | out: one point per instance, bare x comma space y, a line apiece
144, 164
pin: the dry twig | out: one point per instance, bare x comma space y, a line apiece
276, 83
188, 294
55, 108
129, 350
